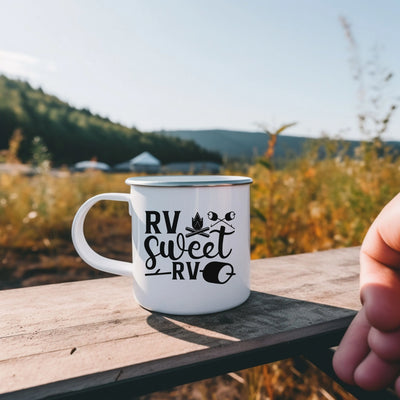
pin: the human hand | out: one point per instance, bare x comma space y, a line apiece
369, 353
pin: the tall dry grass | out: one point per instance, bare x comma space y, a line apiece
318, 204
37, 212
309, 205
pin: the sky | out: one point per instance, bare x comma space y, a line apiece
209, 64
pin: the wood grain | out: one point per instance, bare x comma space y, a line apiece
64, 338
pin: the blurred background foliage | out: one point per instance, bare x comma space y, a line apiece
311, 204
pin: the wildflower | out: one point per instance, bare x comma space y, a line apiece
310, 173
31, 215
315, 210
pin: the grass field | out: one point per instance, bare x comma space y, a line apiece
310, 205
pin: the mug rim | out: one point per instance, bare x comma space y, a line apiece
188, 180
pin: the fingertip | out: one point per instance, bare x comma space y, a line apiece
385, 344
375, 374
352, 350
382, 306
343, 369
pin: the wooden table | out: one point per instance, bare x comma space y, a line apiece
91, 338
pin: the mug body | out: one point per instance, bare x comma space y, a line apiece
191, 242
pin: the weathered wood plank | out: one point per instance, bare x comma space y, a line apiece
326, 277
80, 335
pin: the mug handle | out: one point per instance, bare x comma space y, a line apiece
81, 245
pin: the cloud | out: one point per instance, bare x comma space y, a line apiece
20, 65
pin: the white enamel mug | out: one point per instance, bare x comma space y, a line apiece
190, 242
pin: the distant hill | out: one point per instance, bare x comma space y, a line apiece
248, 145
72, 134
240, 144
228, 143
